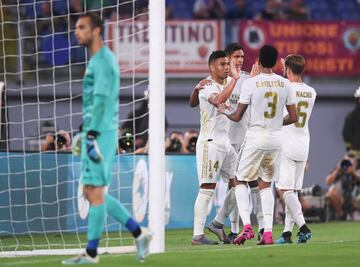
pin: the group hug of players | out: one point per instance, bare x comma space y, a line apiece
253, 132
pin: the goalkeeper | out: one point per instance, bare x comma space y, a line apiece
99, 140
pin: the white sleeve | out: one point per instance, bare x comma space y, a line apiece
291, 96
245, 94
207, 91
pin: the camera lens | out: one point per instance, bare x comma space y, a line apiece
126, 142
345, 164
192, 144
60, 140
175, 145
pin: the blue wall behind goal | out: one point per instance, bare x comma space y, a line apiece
38, 192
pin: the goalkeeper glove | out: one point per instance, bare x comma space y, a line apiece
92, 147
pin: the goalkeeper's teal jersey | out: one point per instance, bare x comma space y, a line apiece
101, 92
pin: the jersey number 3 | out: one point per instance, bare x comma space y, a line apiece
272, 103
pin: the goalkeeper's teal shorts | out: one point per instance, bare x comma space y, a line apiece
99, 174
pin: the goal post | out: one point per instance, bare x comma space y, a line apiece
157, 124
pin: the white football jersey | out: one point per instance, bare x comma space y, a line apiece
266, 95
238, 130
295, 137
213, 124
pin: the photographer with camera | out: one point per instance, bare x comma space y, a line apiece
57, 142
175, 143
343, 182
190, 139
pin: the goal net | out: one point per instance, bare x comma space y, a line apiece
41, 71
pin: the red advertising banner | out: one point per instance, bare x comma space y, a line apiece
188, 46
330, 48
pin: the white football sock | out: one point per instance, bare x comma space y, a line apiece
267, 202
289, 222
234, 218
200, 210
292, 202
243, 203
227, 207
255, 197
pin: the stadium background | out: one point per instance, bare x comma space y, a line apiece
335, 88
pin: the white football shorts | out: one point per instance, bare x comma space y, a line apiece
256, 162
291, 174
213, 161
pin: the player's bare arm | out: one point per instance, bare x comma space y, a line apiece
234, 116
292, 116
222, 97
194, 97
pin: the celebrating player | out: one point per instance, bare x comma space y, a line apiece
266, 95
214, 153
99, 140
237, 131
294, 154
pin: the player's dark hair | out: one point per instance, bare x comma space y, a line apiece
232, 47
296, 63
215, 55
268, 56
95, 20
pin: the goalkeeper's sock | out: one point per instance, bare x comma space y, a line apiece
95, 228
292, 202
242, 201
121, 214
116, 209
200, 210
227, 207
256, 201
267, 203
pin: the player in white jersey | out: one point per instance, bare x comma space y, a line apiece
237, 133
295, 150
214, 153
265, 95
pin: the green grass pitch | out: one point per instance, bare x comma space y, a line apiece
333, 244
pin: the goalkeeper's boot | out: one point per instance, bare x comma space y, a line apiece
303, 237
232, 237
81, 259
142, 244
246, 234
266, 239
218, 230
285, 238
202, 240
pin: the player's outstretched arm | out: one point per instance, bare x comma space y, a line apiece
234, 116
194, 97
292, 116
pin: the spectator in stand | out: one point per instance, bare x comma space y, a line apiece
49, 20
240, 11
209, 9
351, 129
272, 11
297, 10
59, 142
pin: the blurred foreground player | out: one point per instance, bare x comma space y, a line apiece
99, 141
